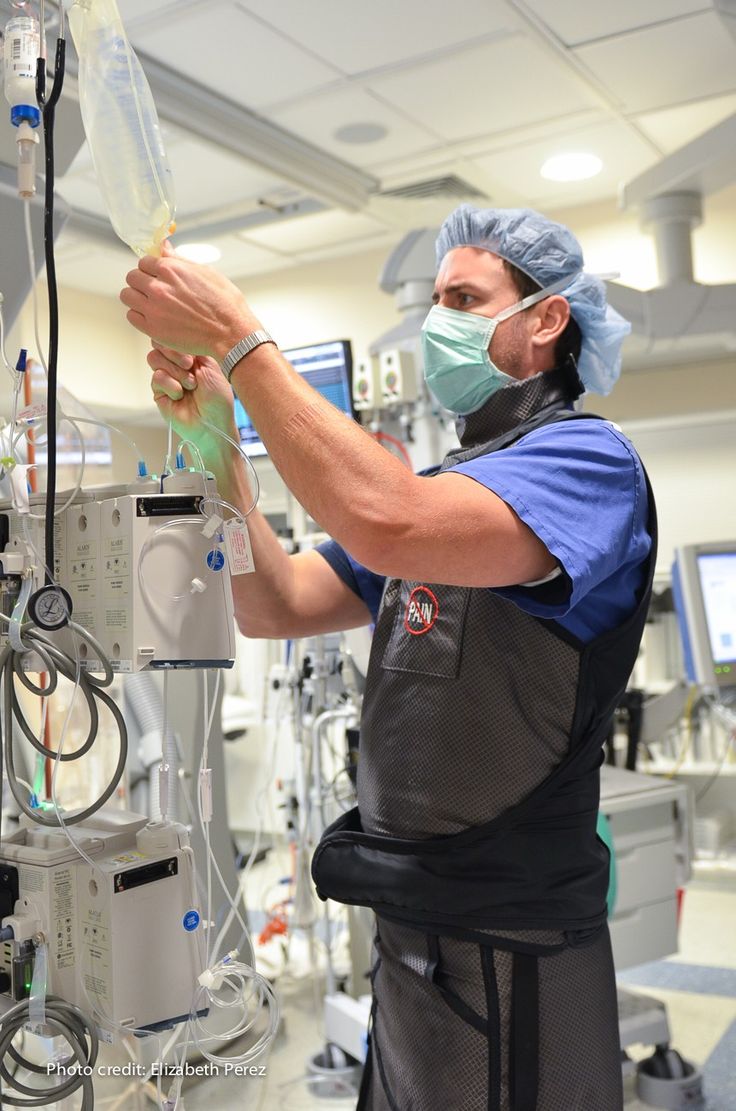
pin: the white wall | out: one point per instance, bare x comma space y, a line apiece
683, 423
102, 360
691, 466
615, 241
335, 299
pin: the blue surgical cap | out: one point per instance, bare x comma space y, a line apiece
547, 252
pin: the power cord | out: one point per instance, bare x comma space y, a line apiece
55, 663
68, 1021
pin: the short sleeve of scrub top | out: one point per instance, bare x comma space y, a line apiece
580, 487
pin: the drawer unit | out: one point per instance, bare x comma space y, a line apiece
645, 934
644, 874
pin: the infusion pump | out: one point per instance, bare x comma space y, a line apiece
146, 571
120, 927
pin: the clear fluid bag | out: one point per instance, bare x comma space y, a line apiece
122, 128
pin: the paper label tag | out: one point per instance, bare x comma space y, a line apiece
33, 412
237, 545
19, 486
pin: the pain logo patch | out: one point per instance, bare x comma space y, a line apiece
422, 611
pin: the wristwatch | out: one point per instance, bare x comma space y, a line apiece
235, 354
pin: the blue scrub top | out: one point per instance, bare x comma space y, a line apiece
579, 486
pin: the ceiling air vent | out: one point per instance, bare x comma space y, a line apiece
448, 186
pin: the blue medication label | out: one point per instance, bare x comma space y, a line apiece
215, 560
191, 920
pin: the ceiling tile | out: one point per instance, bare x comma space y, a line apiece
82, 191
240, 258
83, 264
317, 118
556, 130
489, 88
673, 127
694, 58
100, 269
461, 158
222, 47
355, 36
574, 22
82, 162
623, 155
206, 176
133, 11
386, 239
405, 214
311, 233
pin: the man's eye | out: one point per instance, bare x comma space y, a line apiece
465, 298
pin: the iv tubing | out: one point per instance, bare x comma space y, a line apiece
256, 484
11, 370
34, 292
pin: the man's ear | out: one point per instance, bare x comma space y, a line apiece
551, 317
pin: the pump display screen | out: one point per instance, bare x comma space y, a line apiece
717, 572
327, 367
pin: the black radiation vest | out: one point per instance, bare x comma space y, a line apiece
481, 743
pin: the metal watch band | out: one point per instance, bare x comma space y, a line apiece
235, 354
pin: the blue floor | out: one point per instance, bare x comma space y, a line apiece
720, 1069
672, 976
720, 1073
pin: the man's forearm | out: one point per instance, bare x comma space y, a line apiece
263, 599
351, 486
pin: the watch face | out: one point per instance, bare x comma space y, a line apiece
50, 607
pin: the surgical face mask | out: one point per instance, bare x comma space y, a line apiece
457, 367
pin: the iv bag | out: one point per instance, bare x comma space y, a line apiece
122, 128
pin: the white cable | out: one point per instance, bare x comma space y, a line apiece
168, 467
26, 784
235, 911
260, 810
111, 428
249, 990
11, 369
39, 345
36, 326
205, 825
14, 416
34, 294
246, 458
215, 499
57, 762
163, 770
80, 478
146, 587
195, 450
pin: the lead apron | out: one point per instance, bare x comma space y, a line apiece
478, 792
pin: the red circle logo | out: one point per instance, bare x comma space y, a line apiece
422, 611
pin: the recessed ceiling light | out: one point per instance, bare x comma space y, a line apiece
199, 252
361, 133
571, 167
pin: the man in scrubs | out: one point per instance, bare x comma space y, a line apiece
509, 588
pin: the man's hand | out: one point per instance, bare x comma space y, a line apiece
189, 390
185, 306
